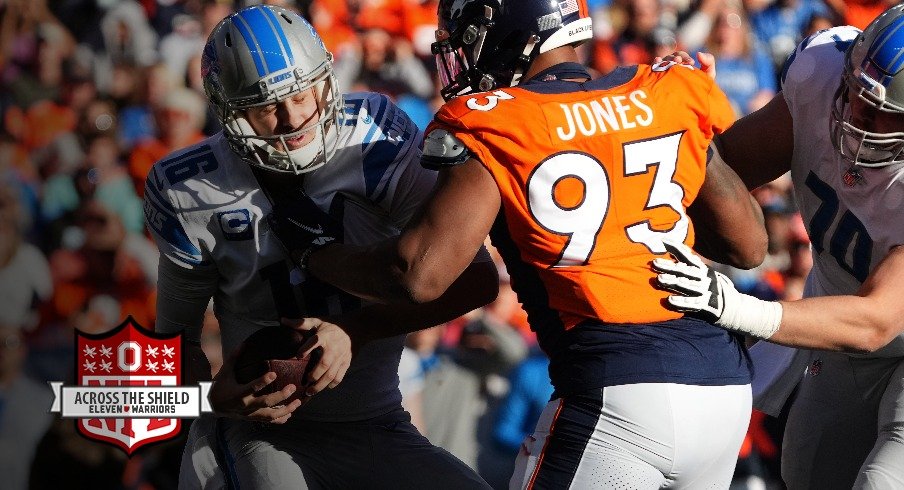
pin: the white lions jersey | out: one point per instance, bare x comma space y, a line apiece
850, 214
206, 211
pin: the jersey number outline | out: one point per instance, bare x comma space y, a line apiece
491, 101
849, 231
183, 167
583, 222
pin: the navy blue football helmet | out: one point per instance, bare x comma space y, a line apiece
484, 44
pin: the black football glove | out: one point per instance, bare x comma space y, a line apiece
302, 227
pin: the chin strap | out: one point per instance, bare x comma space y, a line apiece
524, 59
269, 157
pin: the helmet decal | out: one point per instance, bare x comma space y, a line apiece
887, 52
271, 51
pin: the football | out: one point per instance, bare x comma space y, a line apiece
275, 348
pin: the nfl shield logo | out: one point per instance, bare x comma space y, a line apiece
129, 355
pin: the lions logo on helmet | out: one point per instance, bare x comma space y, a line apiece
261, 55
484, 44
874, 73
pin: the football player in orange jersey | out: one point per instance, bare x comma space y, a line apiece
578, 181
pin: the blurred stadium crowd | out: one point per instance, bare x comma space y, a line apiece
93, 92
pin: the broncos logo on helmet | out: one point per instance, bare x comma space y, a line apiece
484, 44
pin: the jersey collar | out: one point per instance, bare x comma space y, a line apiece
561, 71
553, 79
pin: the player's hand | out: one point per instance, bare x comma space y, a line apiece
302, 227
335, 358
707, 61
228, 398
699, 288
710, 295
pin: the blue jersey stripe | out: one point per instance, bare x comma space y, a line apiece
183, 156
885, 51
377, 161
268, 43
162, 219
376, 120
287, 48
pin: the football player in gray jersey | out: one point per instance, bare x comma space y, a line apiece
289, 136
838, 127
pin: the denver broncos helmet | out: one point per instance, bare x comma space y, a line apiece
261, 55
873, 72
484, 44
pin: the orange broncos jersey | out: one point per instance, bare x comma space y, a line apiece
593, 177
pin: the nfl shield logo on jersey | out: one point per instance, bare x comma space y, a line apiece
852, 177
129, 356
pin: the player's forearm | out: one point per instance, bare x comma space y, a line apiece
371, 273
739, 243
475, 287
728, 221
839, 323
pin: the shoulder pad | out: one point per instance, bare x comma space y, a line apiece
442, 150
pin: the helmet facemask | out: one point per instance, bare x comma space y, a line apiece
457, 55
272, 152
872, 95
860, 146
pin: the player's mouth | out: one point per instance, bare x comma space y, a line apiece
298, 141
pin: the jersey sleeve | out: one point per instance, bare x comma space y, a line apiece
721, 114
167, 225
393, 177
186, 278
182, 299
451, 118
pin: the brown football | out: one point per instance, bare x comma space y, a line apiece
275, 348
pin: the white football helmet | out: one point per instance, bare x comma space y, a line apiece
873, 72
261, 55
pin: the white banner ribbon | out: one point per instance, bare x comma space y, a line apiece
163, 402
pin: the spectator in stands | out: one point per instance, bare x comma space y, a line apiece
745, 71
179, 118
386, 65
780, 26
23, 418
634, 44
529, 391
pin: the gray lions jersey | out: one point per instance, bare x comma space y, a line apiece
849, 213
205, 209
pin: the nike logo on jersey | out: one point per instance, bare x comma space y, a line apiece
607, 113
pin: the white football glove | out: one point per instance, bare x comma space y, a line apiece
710, 295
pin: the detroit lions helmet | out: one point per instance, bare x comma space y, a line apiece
874, 73
484, 44
262, 55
